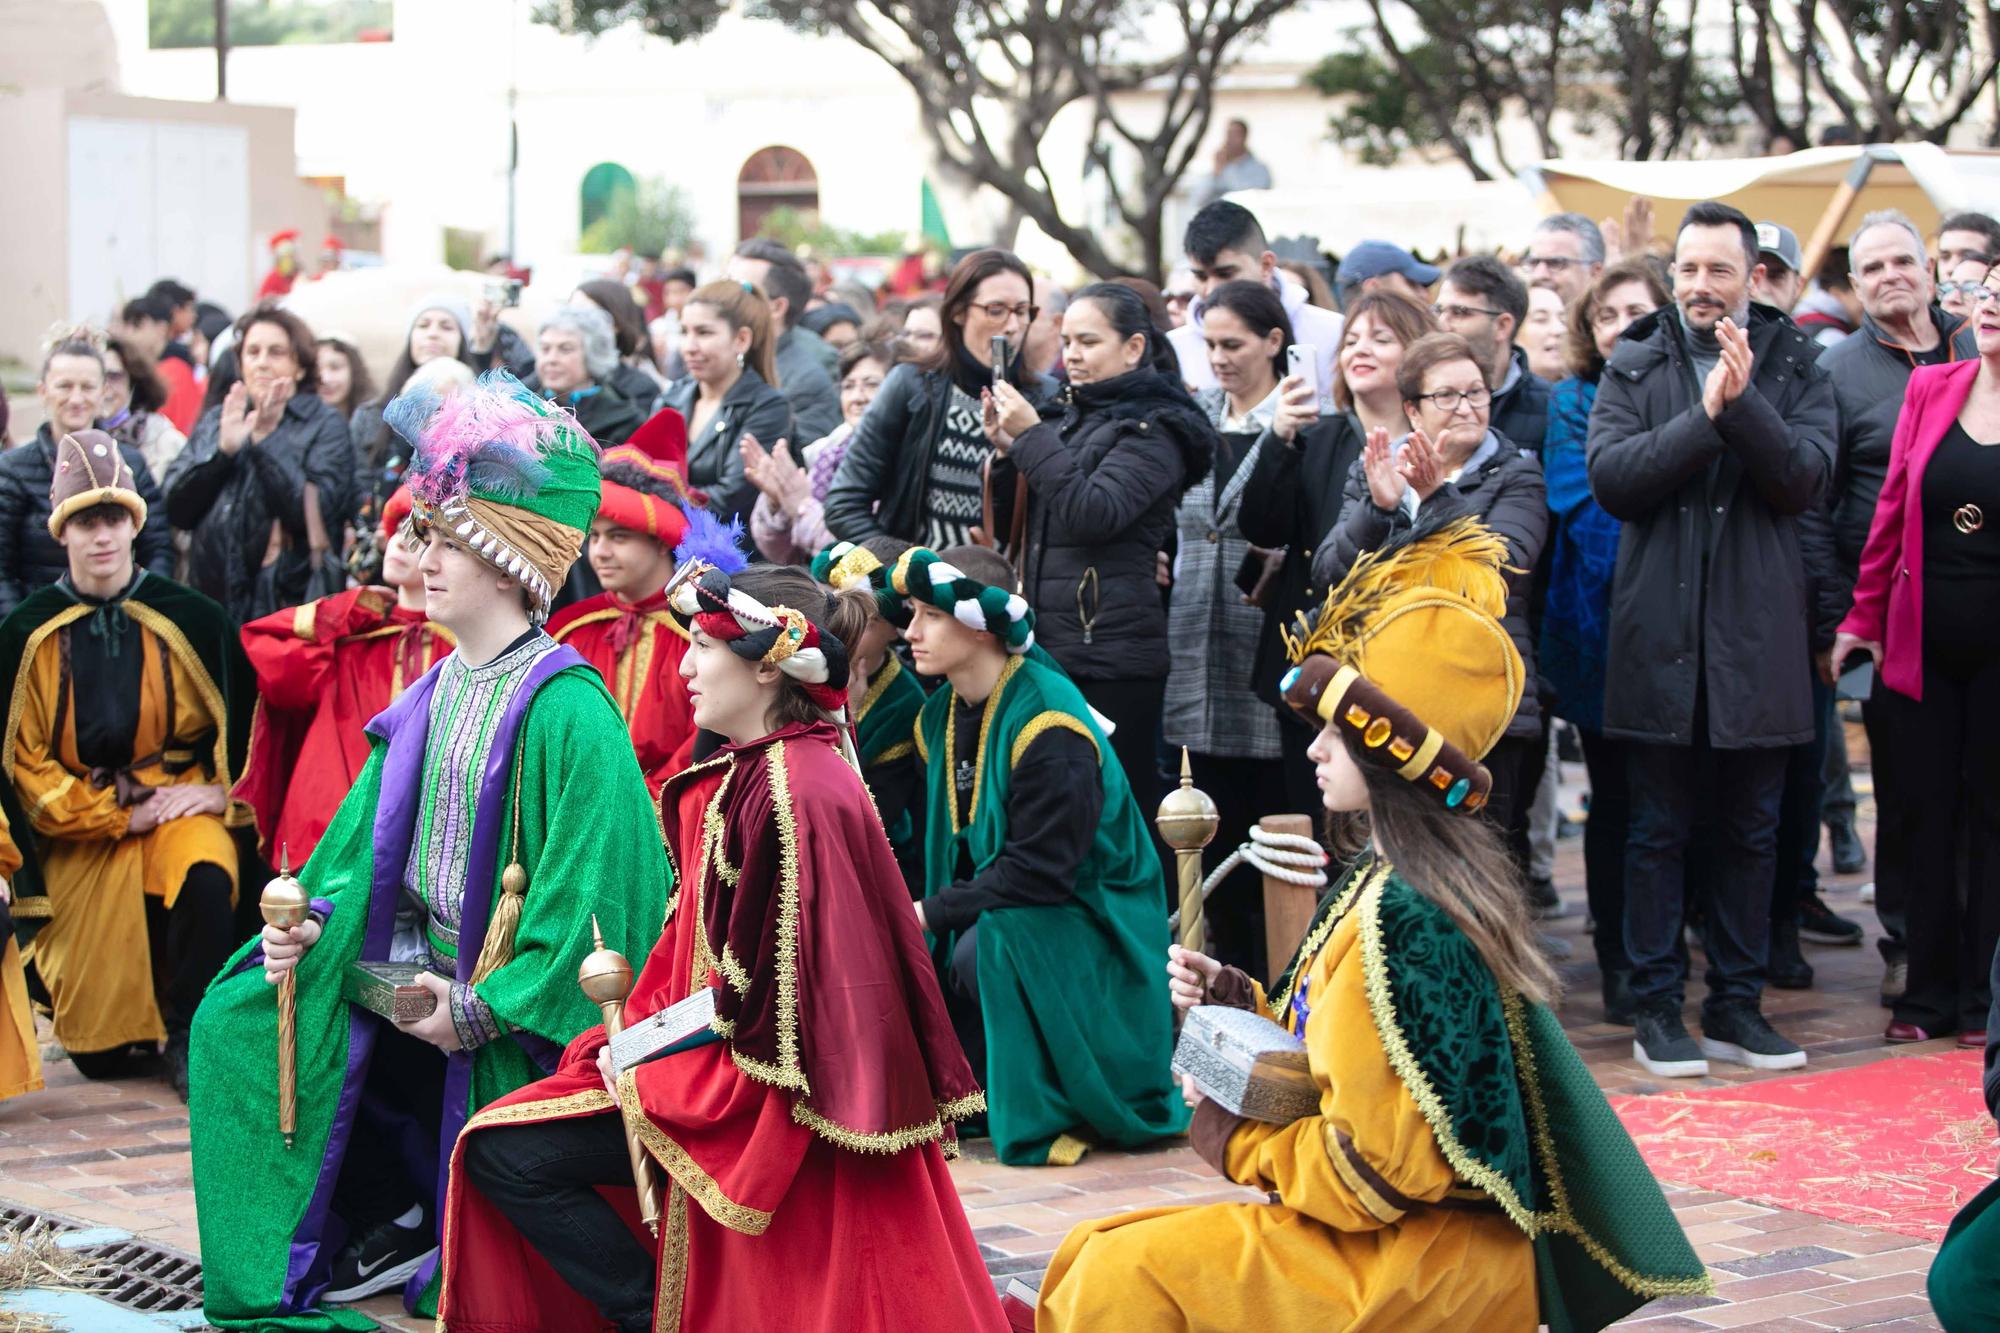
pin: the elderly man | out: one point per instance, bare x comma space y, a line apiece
805, 363
1565, 254
1902, 327
1713, 431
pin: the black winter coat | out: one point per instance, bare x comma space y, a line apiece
1508, 495
883, 482
1522, 412
1710, 591
1103, 483
1869, 374
751, 407
228, 501
1292, 500
29, 557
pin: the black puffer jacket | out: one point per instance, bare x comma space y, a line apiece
29, 557
1711, 590
1506, 493
714, 461
883, 482
228, 501
1103, 482
1521, 410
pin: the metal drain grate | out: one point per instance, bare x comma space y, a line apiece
126, 1271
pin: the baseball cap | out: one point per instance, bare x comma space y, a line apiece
1375, 259
1779, 243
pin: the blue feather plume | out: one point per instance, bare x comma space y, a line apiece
709, 539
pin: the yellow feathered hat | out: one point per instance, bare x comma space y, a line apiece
1408, 655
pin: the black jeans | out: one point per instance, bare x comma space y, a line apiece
1796, 877
1671, 785
189, 945
1946, 768
1604, 836
1894, 818
544, 1178
1134, 705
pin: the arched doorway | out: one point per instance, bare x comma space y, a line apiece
773, 178
602, 184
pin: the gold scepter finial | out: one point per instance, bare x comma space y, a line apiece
1187, 821
285, 904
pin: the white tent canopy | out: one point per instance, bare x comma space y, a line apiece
1419, 208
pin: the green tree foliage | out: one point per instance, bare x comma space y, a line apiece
654, 218
185, 23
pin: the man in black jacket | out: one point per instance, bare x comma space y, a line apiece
1902, 327
1483, 301
1713, 431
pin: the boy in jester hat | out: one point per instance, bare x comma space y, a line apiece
500, 811
1043, 894
1463, 1171
884, 698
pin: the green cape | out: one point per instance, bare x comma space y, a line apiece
1079, 1028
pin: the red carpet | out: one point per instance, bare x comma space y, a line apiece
1899, 1144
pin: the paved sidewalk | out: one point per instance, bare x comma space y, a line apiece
116, 1155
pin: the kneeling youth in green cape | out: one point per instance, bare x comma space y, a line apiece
501, 809
1039, 935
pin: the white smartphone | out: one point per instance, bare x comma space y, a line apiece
1302, 359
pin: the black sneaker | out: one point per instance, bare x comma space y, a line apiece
380, 1259
1662, 1046
1818, 923
1848, 854
1741, 1035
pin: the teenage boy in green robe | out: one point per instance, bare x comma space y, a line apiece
1043, 890
501, 810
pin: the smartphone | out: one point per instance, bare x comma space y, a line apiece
505, 293
1302, 359
999, 357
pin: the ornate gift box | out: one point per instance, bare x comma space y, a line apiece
388, 989
675, 1028
1247, 1064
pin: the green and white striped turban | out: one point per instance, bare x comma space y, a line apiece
921, 575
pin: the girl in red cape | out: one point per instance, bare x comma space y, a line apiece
803, 1153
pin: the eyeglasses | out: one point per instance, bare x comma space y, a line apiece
1443, 311
1959, 288
1447, 400
868, 385
1982, 295
114, 377
1553, 263
998, 311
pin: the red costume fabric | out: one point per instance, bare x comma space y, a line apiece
324, 670
637, 647
184, 393
805, 1164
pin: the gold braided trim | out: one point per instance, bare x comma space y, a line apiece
303, 619
687, 1173
660, 818
985, 724
732, 971
973, 1103
703, 959
900, 750
19, 702
672, 1288
788, 919
211, 695
892, 667
894, 1141
37, 907
1044, 722
1561, 1218
1316, 938
917, 737
1067, 1150
1382, 1007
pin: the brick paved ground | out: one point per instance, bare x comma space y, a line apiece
116, 1154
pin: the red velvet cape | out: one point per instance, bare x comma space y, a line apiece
637, 647
828, 1210
324, 670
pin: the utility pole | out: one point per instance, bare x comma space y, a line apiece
222, 50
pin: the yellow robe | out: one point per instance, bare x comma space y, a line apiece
93, 953
1338, 1251
20, 1058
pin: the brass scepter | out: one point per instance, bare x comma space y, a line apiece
607, 979
285, 904
1187, 822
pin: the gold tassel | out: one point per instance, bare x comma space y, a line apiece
498, 950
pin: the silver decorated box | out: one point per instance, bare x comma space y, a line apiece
665, 1031
1247, 1064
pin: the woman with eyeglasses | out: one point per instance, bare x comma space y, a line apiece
915, 464
1962, 281
134, 395
1576, 617
788, 521
1927, 611
1452, 459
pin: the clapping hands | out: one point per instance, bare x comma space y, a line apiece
1417, 466
1730, 375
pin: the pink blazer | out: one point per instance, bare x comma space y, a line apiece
1889, 594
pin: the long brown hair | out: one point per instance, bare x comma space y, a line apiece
1394, 312
744, 307
1580, 334
972, 270
1458, 862
844, 615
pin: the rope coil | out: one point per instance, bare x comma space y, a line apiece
1292, 858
